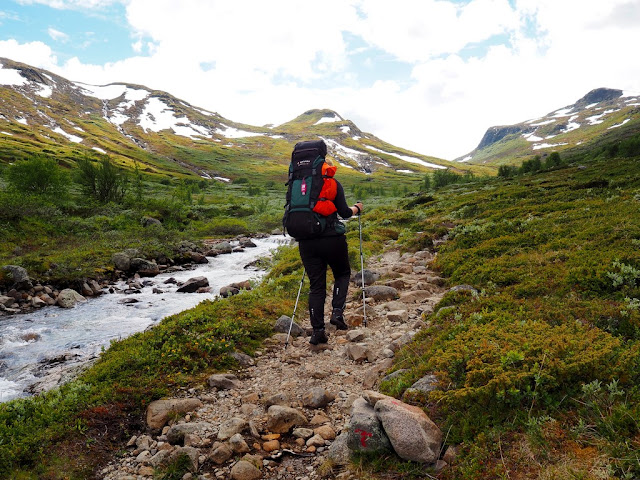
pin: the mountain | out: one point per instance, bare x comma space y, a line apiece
601, 112
41, 112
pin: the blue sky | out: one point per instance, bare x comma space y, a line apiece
427, 75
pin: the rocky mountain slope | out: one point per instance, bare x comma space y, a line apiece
41, 112
601, 112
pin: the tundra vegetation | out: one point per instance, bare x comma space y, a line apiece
538, 365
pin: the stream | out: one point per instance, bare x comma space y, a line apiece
43, 349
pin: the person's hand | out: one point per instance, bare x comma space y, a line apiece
357, 208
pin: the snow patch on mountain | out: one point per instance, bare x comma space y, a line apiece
345, 129
23, 121
334, 118
531, 137
409, 159
158, 116
548, 145
69, 136
45, 91
546, 122
11, 77
563, 112
230, 132
7, 133
98, 149
619, 124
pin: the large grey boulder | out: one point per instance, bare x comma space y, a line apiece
381, 293
222, 247
370, 277
282, 326
317, 397
121, 260
19, 276
68, 298
144, 267
281, 419
224, 381
159, 411
193, 284
365, 432
412, 434
244, 470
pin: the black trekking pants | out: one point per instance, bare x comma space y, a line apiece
316, 255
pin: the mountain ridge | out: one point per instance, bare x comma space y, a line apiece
168, 136
593, 115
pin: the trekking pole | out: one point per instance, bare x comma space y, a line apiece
294, 310
364, 300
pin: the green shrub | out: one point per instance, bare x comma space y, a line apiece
38, 176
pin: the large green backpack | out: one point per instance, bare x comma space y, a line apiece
305, 183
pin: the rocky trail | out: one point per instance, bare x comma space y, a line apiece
297, 413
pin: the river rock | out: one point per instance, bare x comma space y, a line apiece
193, 284
6, 301
317, 397
246, 243
244, 470
68, 298
223, 248
282, 326
121, 260
228, 291
144, 268
19, 276
159, 411
412, 434
281, 419
381, 293
198, 258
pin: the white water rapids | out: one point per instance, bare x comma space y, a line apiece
42, 349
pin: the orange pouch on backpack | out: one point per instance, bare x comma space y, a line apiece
325, 205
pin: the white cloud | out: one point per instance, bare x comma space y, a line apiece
70, 4
257, 64
57, 35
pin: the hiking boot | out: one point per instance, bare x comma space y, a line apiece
318, 336
338, 320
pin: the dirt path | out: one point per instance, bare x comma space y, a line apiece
349, 364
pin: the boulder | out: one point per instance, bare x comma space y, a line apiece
19, 276
381, 293
222, 247
159, 411
243, 359
317, 397
220, 453
193, 284
68, 298
365, 433
370, 277
224, 381
359, 352
228, 291
281, 419
230, 427
411, 432
238, 444
7, 301
244, 470
198, 258
282, 398
282, 326
177, 433
339, 452
149, 221
398, 316
247, 243
144, 268
122, 261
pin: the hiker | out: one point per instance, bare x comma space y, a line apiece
326, 245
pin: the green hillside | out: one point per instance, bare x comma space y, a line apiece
538, 360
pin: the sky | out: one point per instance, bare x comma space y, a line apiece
426, 75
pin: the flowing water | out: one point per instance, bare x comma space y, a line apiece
40, 350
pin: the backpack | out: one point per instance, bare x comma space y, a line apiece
311, 190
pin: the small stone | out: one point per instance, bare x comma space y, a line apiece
271, 446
